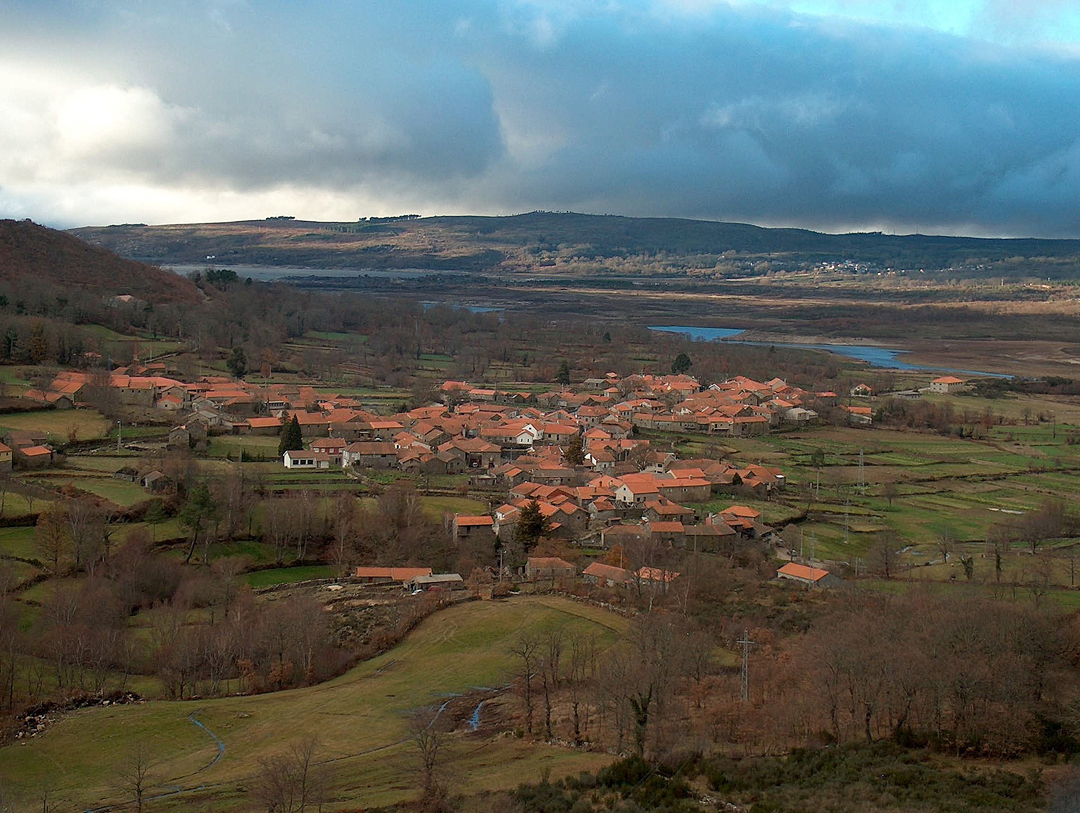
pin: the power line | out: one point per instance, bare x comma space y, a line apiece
745, 643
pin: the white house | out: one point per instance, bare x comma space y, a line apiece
300, 459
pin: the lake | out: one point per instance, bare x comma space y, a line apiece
269, 273
874, 356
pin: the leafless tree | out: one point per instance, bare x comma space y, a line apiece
292, 782
84, 520
51, 537
134, 774
279, 524
944, 543
884, 553
344, 517
429, 736
527, 650
890, 491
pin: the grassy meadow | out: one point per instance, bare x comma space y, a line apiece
360, 720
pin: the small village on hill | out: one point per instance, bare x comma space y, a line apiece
570, 463
416, 502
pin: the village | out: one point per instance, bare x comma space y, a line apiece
573, 457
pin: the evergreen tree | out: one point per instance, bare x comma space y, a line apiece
237, 362
575, 451
532, 524
563, 376
291, 438
681, 364
198, 512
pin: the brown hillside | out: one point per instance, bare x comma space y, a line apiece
30, 251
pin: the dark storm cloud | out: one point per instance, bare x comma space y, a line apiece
735, 112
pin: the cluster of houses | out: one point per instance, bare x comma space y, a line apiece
646, 510
29, 448
617, 489
859, 415
554, 570
483, 429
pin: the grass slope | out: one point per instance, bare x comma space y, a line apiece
360, 719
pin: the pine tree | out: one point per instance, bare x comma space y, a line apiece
532, 524
563, 376
681, 364
237, 362
575, 451
291, 438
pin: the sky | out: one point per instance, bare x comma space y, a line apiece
935, 116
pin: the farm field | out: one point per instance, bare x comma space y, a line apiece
59, 425
918, 484
359, 718
288, 575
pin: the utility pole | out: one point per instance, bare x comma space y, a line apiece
745, 643
862, 474
118, 426
847, 521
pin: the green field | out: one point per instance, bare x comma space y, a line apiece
360, 720
59, 424
287, 575
121, 492
18, 541
436, 506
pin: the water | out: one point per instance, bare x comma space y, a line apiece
707, 334
269, 273
470, 308
874, 356
474, 721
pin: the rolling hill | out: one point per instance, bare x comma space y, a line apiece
32, 252
531, 242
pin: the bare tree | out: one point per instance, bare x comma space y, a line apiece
51, 536
343, 524
527, 650
292, 782
890, 491
84, 520
944, 543
134, 774
884, 553
428, 735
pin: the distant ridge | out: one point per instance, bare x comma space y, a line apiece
479, 243
32, 252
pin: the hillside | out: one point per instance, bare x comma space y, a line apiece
361, 720
32, 252
536, 241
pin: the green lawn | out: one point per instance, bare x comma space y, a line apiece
121, 492
360, 720
287, 575
436, 506
18, 541
259, 447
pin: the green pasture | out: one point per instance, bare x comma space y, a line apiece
59, 425
360, 720
437, 506
18, 541
288, 575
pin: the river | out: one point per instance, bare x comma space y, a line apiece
872, 355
